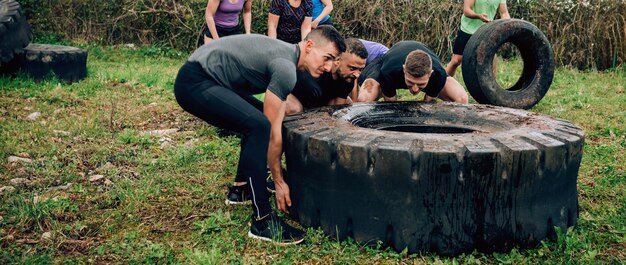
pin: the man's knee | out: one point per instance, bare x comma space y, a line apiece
454, 91
456, 60
462, 97
259, 127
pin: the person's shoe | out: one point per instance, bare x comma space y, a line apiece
239, 195
273, 229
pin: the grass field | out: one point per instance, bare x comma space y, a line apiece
160, 198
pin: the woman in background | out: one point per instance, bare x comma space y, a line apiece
476, 13
289, 20
222, 18
321, 13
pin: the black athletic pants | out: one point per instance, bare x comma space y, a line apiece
237, 111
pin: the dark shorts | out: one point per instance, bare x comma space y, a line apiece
222, 32
459, 43
328, 22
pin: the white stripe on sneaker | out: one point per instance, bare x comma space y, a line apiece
250, 234
254, 199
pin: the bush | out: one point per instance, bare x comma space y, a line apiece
584, 34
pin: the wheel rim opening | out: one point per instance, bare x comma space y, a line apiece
422, 128
508, 67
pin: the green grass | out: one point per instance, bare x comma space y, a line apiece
165, 203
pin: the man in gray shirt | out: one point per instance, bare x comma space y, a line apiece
217, 85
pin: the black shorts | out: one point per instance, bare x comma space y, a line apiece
222, 32
328, 22
459, 43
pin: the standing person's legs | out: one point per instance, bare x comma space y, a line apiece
457, 52
222, 107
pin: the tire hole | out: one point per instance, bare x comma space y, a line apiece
419, 128
508, 67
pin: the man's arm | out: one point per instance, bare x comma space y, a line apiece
274, 110
272, 23
305, 27
370, 91
247, 16
504, 11
468, 11
339, 101
211, 8
328, 7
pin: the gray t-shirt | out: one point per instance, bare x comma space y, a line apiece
251, 62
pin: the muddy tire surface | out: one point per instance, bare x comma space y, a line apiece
15, 33
41, 60
444, 178
535, 50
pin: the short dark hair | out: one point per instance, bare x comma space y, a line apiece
418, 63
356, 47
327, 33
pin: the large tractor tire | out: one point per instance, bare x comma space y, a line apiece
65, 62
15, 33
445, 178
536, 53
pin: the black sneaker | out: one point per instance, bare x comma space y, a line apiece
272, 228
239, 195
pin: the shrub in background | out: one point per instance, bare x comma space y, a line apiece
584, 34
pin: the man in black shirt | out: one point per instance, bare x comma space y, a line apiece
409, 65
331, 88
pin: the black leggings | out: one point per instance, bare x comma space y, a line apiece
234, 110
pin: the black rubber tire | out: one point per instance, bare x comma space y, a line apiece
482, 177
536, 53
15, 33
40, 60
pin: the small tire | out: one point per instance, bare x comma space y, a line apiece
66, 63
535, 50
15, 33
445, 178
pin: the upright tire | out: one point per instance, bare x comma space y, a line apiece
536, 53
67, 63
445, 178
15, 33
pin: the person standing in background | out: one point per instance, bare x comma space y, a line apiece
222, 18
289, 20
476, 13
321, 13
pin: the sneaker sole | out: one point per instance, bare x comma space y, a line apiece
228, 202
274, 242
